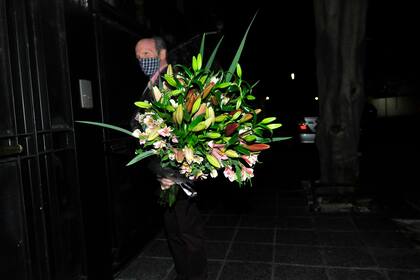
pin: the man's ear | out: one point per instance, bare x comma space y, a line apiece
162, 55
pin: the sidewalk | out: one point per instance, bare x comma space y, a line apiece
269, 233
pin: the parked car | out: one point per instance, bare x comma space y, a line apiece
307, 129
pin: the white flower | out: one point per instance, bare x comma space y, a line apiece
213, 173
171, 156
149, 121
136, 133
159, 144
214, 79
174, 139
173, 103
198, 159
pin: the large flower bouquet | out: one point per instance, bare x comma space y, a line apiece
202, 123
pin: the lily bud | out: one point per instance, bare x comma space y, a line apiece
213, 161
230, 128
274, 125
200, 126
268, 120
156, 93
143, 104
152, 136
206, 91
246, 117
231, 154
236, 115
213, 100
179, 114
201, 110
250, 138
213, 135
196, 105
257, 111
256, 147
179, 155
220, 118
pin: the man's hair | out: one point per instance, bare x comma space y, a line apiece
160, 43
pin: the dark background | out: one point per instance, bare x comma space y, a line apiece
70, 208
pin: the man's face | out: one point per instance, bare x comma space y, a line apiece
146, 48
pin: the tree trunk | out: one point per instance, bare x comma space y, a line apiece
340, 49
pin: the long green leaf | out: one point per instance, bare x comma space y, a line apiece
238, 54
202, 45
108, 126
213, 55
276, 139
141, 156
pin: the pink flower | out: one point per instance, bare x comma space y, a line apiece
229, 173
246, 173
250, 160
165, 132
174, 139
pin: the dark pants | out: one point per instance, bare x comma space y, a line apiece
185, 233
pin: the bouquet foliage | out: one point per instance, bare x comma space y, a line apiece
202, 123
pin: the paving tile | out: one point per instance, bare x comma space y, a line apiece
299, 223
251, 252
223, 220
157, 248
213, 271
385, 239
255, 235
246, 271
403, 275
299, 237
286, 272
334, 223
374, 223
397, 258
258, 221
339, 239
219, 234
217, 250
145, 268
355, 274
293, 211
298, 255
348, 257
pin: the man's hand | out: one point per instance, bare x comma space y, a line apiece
165, 183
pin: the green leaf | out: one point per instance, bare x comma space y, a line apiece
222, 85
277, 139
242, 150
250, 97
213, 55
238, 54
108, 126
202, 45
141, 156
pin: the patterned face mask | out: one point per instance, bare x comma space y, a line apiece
149, 66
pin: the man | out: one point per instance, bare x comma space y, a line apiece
183, 223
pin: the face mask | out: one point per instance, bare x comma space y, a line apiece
149, 66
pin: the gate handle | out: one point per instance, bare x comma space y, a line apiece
10, 150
